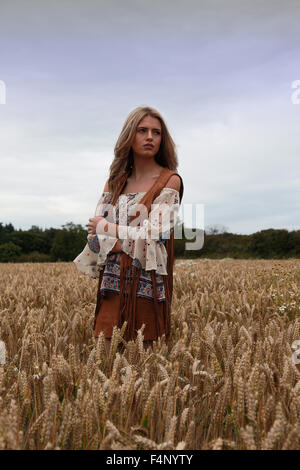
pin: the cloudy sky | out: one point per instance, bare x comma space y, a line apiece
220, 73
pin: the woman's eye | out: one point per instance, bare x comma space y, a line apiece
143, 130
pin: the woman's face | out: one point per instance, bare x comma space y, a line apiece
148, 132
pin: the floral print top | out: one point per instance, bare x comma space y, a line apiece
145, 243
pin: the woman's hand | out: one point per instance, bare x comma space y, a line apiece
93, 222
101, 226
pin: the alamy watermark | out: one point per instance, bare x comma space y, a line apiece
295, 98
161, 221
2, 92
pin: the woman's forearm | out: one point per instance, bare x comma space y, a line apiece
108, 228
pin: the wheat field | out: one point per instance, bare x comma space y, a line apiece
226, 380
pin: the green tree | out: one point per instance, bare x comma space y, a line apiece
68, 242
5, 231
271, 243
36, 229
29, 241
9, 252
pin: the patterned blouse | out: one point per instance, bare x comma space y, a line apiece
145, 244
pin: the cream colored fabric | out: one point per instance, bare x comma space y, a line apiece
142, 243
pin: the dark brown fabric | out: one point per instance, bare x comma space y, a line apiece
108, 316
129, 275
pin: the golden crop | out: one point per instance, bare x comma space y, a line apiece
225, 381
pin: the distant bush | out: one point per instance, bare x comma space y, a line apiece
9, 252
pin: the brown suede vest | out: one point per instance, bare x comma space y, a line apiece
129, 275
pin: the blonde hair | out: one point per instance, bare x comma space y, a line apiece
123, 161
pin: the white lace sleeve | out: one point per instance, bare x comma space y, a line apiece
145, 244
93, 257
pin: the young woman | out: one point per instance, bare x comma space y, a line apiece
131, 251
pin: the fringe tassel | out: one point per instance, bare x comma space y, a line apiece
158, 331
129, 280
99, 298
123, 289
168, 284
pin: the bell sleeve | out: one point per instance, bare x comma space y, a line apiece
93, 257
145, 244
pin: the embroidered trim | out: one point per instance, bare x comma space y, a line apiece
111, 280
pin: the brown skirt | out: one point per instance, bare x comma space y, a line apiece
108, 314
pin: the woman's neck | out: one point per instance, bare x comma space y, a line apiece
144, 170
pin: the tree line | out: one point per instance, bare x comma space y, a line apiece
65, 243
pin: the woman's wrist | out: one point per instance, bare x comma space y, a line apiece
107, 228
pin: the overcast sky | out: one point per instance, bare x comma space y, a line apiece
219, 72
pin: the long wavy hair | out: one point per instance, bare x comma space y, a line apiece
123, 161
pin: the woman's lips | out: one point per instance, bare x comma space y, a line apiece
148, 146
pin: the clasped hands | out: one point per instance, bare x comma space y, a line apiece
93, 223
100, 225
